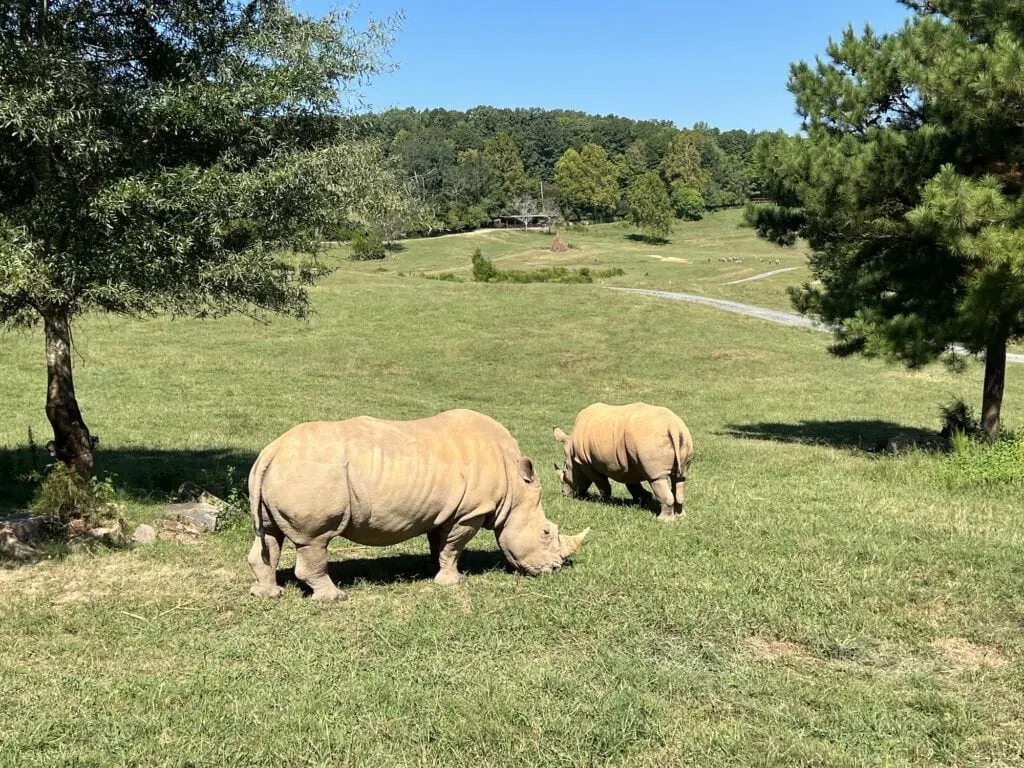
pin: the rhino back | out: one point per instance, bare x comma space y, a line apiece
380, 482
628, 443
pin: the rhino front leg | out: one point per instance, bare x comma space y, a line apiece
604, 487
663, 493
311, 567
454, 537
263, 558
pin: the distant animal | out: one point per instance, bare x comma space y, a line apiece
378, 482
630, 444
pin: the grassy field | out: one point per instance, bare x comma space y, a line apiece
821, 605
706, 257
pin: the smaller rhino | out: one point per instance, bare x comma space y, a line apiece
629, 444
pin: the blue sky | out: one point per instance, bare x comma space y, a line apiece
721, 61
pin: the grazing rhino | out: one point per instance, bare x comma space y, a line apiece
628, 444
379, 482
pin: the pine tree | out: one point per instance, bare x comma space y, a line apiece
907, 183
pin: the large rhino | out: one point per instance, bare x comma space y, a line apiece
379, 482
629, 444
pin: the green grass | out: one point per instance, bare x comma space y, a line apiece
822, 605
700, 257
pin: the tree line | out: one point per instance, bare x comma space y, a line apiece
466, 168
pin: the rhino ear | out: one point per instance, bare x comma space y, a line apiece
526, 470
560, 436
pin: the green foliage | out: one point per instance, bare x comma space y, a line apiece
173, 188
587, 182
446, 277
975, 461
688, 203
502, 156
649, 207
958, 419
367, 246
906, 185
682, 165
63, 496
483, 270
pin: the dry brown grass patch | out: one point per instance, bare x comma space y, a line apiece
962, 654
764, 648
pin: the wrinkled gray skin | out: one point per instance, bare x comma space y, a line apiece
630, 444
379, 483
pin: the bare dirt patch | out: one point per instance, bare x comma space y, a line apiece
962, 654
673, 259
764, 648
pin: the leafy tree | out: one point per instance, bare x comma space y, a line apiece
649, 207
506, 164
160, 156
688, 203
907, 184
682, 166
633, 163
588, 181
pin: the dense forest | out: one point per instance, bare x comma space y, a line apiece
464, 169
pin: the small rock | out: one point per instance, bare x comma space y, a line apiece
203, 515
899, 444
21, 534
111, 533
144, 534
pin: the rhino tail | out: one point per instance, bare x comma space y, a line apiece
680, 464
256, 475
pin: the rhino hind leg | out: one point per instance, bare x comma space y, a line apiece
662, 488
680, 497
263, 558
311, 567
453, 539
640, 494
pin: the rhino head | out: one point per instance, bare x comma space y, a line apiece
529, 541
564, 472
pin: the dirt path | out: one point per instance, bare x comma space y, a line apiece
763, 275
771, 315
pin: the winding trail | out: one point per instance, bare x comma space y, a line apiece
763, 275
771, 315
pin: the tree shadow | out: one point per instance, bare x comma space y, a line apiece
867, 436
396, 569
143, 474
647, 239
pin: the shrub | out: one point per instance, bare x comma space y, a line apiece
446, 277
367, 246
958, 419
63, 496
483, 270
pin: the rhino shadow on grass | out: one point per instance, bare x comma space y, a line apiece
347, 570
143, 474
859, 436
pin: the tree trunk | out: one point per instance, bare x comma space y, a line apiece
72, 442
995, 379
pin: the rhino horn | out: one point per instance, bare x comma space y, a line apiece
567, 545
